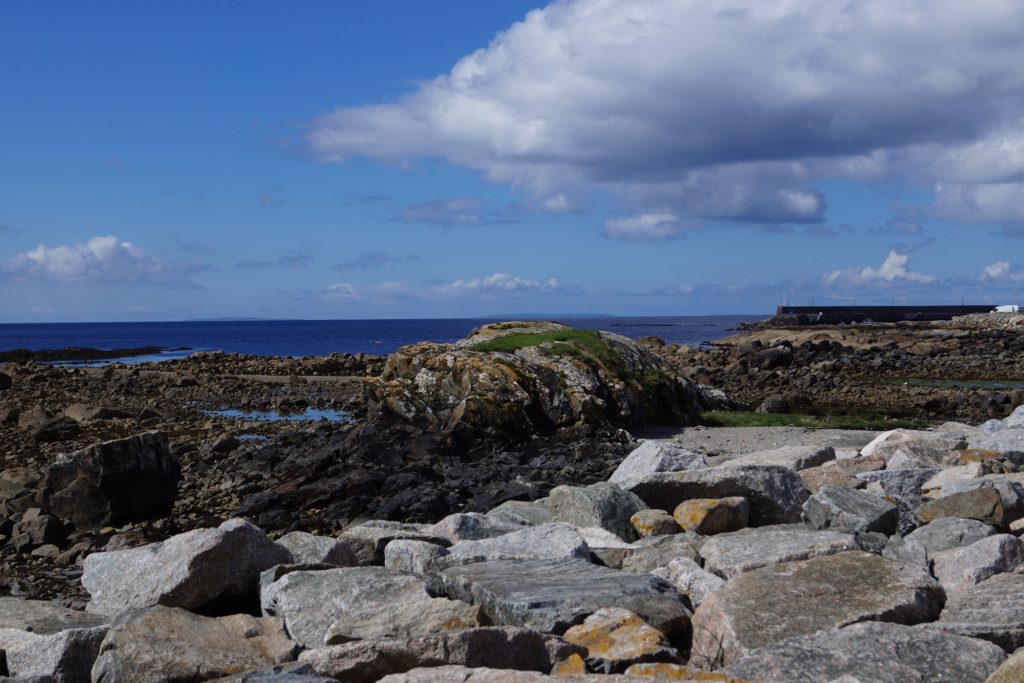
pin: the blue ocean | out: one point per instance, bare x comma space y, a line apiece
319, 337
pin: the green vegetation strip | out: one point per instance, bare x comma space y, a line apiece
580, 343
868, 420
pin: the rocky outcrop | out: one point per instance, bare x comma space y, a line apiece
514, 380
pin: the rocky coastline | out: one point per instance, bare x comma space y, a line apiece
485, 511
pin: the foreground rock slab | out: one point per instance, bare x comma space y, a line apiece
873, 651
961, 568
603, 505
190, 570
496, 648
166, 644
775, 493
65, 655
310, 602
846, 509
654, 456
772, 604
552, 596
793, 457
114, 482
728, 555
992, 610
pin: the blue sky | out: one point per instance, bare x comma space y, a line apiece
165, 161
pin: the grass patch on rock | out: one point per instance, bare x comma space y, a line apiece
583, 344
870, 420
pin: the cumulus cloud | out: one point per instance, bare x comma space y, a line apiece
373, 259
101, 260
731, 110
892, 272
494, 287
1000, 271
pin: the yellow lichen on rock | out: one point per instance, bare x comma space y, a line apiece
709, 516
617, 638
677, 672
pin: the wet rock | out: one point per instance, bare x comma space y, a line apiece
774, 493
310, 602
166, 644
873, 651
114, 482
66, 655
552, 596
309, 549
849, 510
961, 568
653, 456
615, 638
692, 581
771, 604
710, 516
653, 523
496, 648
43, 617
369, 540
729, 555
201, 569
982, 504
793, 457
602, 505
992, 610
946, 533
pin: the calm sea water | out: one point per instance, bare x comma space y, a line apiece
318, 337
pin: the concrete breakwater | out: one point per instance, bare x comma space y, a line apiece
835, 315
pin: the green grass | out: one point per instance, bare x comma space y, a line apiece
866, 420
586, 345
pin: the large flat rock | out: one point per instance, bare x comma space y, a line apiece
775, 493
873, 651
793, 457
551, 596
310, 602
166, 644
772, 604
654, 456
730, 554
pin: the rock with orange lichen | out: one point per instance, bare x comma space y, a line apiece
615, 638
678, 672
573, 665
710, 516
654, 523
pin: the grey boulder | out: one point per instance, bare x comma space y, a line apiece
775, 493
846, 509
66, 655
961, 568
731, 554
690, 580
772, 604
793, 457
369, 540
310, 549
472, 526
946, 533
552, 596
603, 505
654, 456
114, 482
43, 617
168, 645
992, 610
498, 648
190, 570
874, 652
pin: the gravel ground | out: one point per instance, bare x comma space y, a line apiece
738, 440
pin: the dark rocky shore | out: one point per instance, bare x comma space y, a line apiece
483, 512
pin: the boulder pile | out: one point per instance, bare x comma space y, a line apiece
899, 562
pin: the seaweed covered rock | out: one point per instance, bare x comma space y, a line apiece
518, 379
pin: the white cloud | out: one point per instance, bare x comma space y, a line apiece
729, 110
892, 271
457, 212
645, 226
995, 270
101, 260
497, 286
686, 289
